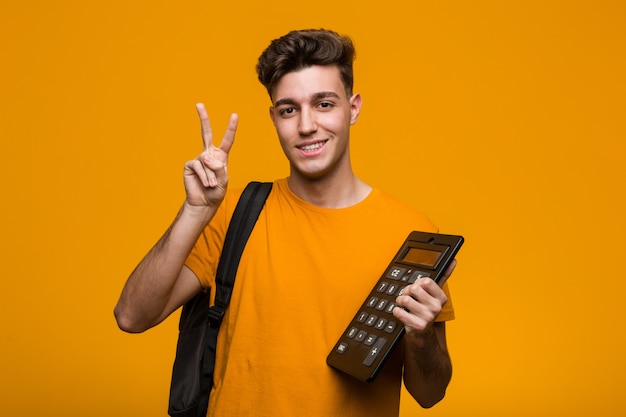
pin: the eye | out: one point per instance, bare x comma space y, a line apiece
286, 111
326, 105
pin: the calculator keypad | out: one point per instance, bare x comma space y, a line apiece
375, 324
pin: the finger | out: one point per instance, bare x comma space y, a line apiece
424, 291
207, 133
197, 168
417, 307
229, 136
212, 178
218, 165
413, 319
212, 164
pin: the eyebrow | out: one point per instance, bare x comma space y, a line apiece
316, 96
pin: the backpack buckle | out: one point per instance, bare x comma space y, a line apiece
216, 314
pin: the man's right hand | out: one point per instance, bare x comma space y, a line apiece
206, 177
161, 282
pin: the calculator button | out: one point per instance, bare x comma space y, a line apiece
396, 273
382, 286
374, 351
381, 305
390, 308
371, 320
392, 289
352, 332
370, 339
417, 275
362, 317
361, 336
342, 347
391, 326
372, 302
380, 324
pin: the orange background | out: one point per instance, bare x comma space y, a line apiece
503, 121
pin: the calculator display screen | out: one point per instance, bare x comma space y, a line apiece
420, 256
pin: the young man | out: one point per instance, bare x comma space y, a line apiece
320, 244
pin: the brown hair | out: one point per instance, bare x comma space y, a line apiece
301, 49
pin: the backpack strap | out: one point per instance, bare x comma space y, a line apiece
241, 224
194, 364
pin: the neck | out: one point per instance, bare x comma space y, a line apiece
329, 193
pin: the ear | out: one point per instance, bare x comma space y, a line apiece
355, 107
272, 114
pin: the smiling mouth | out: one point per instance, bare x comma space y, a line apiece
312, 146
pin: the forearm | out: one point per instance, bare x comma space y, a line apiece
427, 365
147, 296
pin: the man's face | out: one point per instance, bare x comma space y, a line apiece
312, 115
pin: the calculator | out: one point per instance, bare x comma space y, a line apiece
371, 335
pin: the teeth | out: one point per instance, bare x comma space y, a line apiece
312, 147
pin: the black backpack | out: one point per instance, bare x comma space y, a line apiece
192, 374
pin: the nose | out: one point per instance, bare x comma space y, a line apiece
307, 123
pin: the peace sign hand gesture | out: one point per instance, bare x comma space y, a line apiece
206, 177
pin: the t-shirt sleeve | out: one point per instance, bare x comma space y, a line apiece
447, 312
205, 255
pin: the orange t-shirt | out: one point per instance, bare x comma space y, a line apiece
303, 274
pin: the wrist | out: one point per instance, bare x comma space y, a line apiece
422, 340
197, 214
